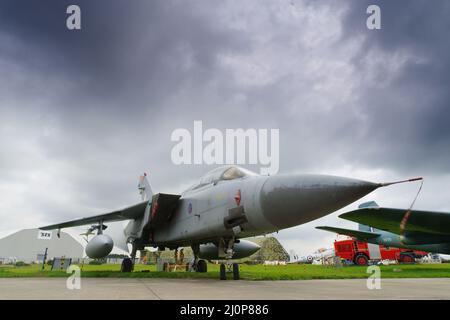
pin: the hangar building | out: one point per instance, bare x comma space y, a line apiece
29, 245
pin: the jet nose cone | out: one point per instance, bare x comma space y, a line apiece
290, 200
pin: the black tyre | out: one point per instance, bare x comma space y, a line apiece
361, 260
223, 273
202, 266
407, 258
235, 271
127, 265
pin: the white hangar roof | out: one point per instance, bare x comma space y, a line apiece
25, 245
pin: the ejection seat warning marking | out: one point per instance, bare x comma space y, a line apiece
46, 235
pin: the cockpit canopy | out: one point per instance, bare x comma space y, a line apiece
223, 173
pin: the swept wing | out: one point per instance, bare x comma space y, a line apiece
133, 212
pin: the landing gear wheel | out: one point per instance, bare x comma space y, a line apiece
127, 265
407, 258
235, 271
202, 266
223, 273
361, 260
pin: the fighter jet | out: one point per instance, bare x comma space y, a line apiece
399, 228
225, 205
318, 255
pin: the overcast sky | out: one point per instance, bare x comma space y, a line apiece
83, 113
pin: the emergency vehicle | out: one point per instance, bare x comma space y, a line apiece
361, 252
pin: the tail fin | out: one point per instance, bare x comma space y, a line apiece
145, 190
369, 204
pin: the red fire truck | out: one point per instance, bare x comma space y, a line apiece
361, 252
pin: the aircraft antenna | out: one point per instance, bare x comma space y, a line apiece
407, 214
385, 184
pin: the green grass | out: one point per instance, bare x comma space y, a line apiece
247, 272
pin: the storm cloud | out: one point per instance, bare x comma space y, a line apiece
83, 113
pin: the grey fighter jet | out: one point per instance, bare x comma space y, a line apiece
227, 204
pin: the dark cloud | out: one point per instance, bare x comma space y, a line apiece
129, 51
407, 107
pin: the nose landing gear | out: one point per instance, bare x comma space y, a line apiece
228, 266
223, 272
235, 271
226, 252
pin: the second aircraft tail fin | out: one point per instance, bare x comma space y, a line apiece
369, 204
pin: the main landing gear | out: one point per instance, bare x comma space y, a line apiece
128, 263
198, 265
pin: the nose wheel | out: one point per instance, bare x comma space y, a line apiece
229, 268
226, 250
235, 271
223, 272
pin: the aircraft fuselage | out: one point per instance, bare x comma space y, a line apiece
252, 206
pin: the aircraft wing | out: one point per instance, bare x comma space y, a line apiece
129, 213
352, 233
388, 219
